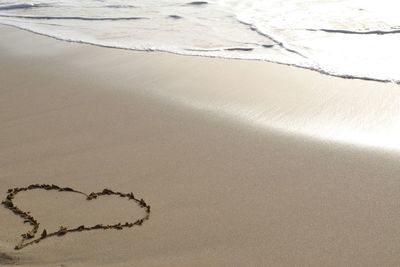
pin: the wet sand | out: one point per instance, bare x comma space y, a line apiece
244, 163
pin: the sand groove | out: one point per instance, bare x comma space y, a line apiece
30, 238
6, 259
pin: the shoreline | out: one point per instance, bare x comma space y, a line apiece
319, 71
233, 156
377, 140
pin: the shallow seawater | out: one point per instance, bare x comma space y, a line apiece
348, 38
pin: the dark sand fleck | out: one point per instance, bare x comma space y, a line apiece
239, 49
197, 3
267, 46
174, 17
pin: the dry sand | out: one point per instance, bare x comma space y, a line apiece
244, 163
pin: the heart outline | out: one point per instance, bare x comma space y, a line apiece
30, 235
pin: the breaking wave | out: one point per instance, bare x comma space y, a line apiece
351, 39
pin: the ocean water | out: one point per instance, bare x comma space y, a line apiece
347, 38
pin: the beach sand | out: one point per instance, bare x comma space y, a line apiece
244, 163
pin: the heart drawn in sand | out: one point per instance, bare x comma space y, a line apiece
30, 237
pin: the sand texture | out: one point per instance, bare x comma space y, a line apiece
243, 163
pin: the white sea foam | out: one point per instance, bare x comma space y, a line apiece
349, 38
